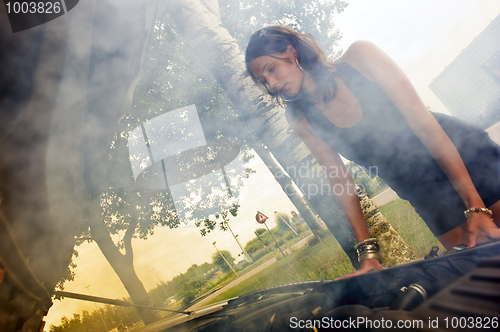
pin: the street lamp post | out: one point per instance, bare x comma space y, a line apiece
161, 284
100, 315
224, 258
247, 256
283, 219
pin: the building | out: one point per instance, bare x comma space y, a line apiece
470, 86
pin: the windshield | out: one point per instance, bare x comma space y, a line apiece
177, 188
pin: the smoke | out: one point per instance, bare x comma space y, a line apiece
170, 152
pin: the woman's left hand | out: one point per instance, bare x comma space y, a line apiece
480, 227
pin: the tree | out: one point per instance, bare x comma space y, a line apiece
206, 36
112, 207
174, 81
190, 290
220, 263
100, 320
130, 213
204, 30
260, 231
253, 245
243, 17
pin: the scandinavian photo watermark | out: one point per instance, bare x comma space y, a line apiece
326, 179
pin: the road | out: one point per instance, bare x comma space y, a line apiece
250, 273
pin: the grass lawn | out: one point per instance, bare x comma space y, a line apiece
327, 261
405, 220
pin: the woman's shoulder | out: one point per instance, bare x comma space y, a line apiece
361, 55
358, 50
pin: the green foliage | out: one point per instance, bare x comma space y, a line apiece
175, 80
313, 241
281, 219
195, 275
374, 185
101, 320
252, 246
220, 263
189, 290
222, 219
184, 287
281, 232
260, 231
316, 17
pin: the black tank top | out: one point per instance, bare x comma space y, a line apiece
383, 141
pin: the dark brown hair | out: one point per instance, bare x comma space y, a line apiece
310, 56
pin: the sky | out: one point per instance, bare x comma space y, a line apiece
422, 36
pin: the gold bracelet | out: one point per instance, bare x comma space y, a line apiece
476, 209
367, 241
368, 247
369, 255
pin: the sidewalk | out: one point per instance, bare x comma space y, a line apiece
385, 196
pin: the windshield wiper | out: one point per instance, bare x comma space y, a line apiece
113, 302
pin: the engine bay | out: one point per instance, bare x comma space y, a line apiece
459, 289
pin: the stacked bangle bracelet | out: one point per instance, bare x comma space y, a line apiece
368, 249
476, 209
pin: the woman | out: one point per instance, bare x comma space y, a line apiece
364, 107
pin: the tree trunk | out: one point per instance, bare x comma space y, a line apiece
106, 103
206, 37
122, 264
393, 249
286, 184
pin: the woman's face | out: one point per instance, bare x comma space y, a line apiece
279, 71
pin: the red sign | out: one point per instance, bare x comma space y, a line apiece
260, 217
294, 214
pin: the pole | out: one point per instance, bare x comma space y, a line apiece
245, 253
275, 240
100, 315
224, 258
293, 230
262, 241
247, 256
161, 284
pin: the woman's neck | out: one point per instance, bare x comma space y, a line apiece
310, 89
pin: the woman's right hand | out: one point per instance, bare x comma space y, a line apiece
366, 266
480, 226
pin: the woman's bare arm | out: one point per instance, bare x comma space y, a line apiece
380, 68
337, 174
